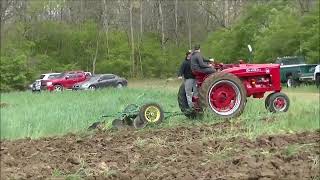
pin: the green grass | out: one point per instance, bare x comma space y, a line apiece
48, 114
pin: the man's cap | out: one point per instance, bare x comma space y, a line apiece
188, 52
197, 47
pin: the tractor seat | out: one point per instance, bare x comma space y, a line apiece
200, 77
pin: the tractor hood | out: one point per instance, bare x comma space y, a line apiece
243, 70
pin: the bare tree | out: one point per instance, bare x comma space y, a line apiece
188, 20
106, 24
176, 20
141, 22
132, 40
9, 8
140, 36
162, 24
222, 12
96, 54
304, 5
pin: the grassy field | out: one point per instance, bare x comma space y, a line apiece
25, 114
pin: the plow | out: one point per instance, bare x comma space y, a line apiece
223, 93
137, 116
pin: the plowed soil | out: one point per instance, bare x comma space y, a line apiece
206, 152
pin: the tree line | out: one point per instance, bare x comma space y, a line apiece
148, 38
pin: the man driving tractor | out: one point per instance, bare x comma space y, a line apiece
198, 64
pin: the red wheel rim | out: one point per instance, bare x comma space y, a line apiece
279, 104
224, 97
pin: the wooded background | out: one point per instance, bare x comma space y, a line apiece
148, 38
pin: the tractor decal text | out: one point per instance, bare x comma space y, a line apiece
253, 70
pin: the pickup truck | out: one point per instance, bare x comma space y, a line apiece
294, 70
64, 81
36, 86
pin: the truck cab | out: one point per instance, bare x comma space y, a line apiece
294, 69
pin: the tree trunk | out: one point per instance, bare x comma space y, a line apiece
61, 10
188, 18
106, 25
176, 18
141, 22
304, 6
68, 11
226, 13
140, 38
95, 55
162, 25
132, 41
81, 14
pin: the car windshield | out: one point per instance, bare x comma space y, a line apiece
60, 75
42, 76
54, 76
290, 61
93, 78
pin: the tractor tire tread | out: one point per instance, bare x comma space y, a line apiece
274, 96
183, 103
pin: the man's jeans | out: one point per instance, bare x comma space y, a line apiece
191, 90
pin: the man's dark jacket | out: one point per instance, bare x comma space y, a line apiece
185, 70
197, 62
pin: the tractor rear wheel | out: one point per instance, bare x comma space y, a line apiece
183, 103
224, 94
279, 102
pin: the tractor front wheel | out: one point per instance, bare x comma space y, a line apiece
224, 94
279, 102
267, 101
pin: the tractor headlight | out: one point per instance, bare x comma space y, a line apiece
49, 83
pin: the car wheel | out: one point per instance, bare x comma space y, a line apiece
119, 85
92, 87
58, 87
35, 91
318, 80
290, 82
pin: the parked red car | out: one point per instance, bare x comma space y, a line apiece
64, 81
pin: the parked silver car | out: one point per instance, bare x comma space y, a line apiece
101, 81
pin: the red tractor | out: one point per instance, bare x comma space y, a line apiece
225, 92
